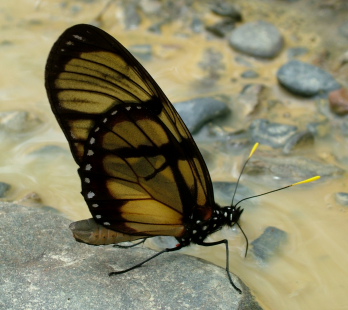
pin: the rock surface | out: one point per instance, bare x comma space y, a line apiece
43, 267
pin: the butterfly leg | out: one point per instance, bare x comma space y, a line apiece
129, 246
227, 260
146, 260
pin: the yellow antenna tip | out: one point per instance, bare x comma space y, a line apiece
256, 145
307, 181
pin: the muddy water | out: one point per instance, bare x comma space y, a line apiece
310, 272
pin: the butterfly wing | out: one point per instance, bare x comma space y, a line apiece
141, 171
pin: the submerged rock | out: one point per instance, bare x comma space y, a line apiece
267, 245
272, 134
4, 188
342, 198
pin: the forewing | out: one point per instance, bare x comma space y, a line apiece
90, 75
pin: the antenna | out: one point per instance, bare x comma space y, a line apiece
256, 145
278, 189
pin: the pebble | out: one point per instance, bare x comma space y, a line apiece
343, 30
197, 112
338, 100
132, 19
221, 28
290, 168
342, 198
269, 243
250, 74
272, 134
227, 10
249, 97
305, 79
223, 192
303, 138
297, 51
4, 188
258, 39
142, 51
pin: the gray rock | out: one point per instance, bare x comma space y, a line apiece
249, 97
297, 51
132, 19
249, 74
303, 138
43, 267
305, 79
17, 121
197, 25
342, 198
343, 30
196, 112
259, 39
142, 51
294, 168
269, 243
221, 28
4, 187
223, 192
272, 134
227, 10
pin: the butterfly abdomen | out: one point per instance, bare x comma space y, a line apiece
88, 231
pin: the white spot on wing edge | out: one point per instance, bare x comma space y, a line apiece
90, 195
78, 37
95, 205
92, 140
106, 223
98, 216
128, 108
88, 167
90, 153
87, 180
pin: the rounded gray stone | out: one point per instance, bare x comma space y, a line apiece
305, 79
259, 39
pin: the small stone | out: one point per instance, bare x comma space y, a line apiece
222, 28
132, 18
224, 191
250, 74
297, 51
305, 79
343, 30
290, 168
269, 243
196, 112
272, 134
303, 138
142, 51
259, 39
342, 198
249, 98
4, 188
228, 10
339, 101
18, 121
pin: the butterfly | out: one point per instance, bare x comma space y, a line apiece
141, 172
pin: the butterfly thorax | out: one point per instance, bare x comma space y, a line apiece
199, 229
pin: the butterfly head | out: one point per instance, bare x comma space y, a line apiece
235, 213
